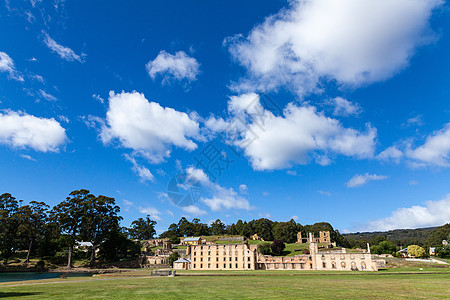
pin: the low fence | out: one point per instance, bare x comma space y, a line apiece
164, 273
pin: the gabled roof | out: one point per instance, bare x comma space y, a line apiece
182, 260
191, 239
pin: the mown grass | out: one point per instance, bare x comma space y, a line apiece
351, 285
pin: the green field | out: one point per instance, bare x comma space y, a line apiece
265, 285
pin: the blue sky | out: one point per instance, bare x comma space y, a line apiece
120, 98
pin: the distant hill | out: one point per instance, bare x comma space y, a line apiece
402, 237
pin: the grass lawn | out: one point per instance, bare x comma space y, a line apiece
310, 285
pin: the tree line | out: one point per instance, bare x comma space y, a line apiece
82, 216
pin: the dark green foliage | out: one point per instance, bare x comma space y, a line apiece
40, 265
286, 231
217, 227
173, 257
277, 247
265, 249
9, 224
117, 246
384, 247
142, 229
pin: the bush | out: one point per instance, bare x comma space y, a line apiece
59, 258
40, 265
173, 257
305, 251
264, 249
416, 251
277, 247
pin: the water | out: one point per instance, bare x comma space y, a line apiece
22, 276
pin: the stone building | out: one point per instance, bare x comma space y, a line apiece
191, 241
222, 257
246, 257
324, 238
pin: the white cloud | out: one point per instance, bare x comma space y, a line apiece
359, 180
173, 67
433, 213
194, 210
435, 151
291, 172
345, 108
7, 65
147, 127
20, 130
98, 98
38, 78
325, 193
299, 135
153, 212
295, 218
27, 157
417, 120
243, 189
391, 153
47, 96
64, 52
127, 203
63, 119
354, 42
220, 198
143, 172
170, 213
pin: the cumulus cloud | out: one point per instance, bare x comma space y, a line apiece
173, 67
243, 189
193, 210
219, 198
435, 150
353, 42
391, 154
146, 127
345, 108
432, 213
362, 179
142, 171
297, 136
20, 130
7, 65
153, 212
64, 52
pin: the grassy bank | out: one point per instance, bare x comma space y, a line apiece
308, 286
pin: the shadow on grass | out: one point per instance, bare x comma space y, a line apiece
16, 294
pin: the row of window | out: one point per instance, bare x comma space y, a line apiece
224, 259
342, 257
343, 265
230, 266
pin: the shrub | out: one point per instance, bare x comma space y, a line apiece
305, 251
277, 247
40, 265
416, 251
173, 257
264, 249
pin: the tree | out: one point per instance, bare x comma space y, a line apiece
101, 216
286, 231
264, 249
416, 251
173, 257
8, 226
68, 215
263, 227
200, 228
185, 228
116, 245
384, 247
32, 221
277, 247
171, 233
217, 227
142, 229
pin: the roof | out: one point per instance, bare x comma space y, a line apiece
191, 239
182, 260
84, 244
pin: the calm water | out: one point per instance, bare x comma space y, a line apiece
5, 277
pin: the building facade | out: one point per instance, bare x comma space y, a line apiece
222, 257
246, 257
